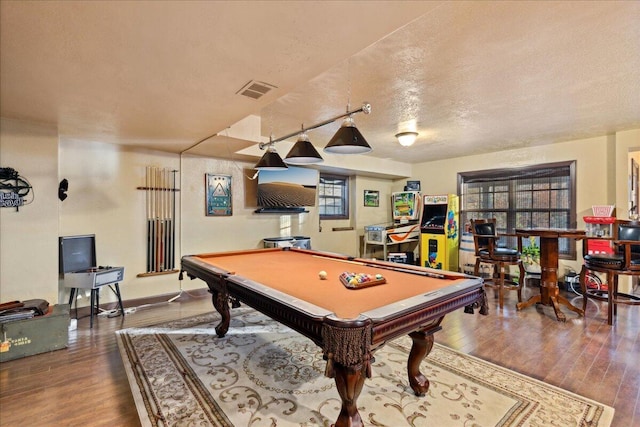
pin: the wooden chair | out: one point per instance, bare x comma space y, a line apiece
623, 261
488, 251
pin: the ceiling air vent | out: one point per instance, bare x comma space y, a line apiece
255, 89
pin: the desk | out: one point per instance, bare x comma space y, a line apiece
349, 325
549, 291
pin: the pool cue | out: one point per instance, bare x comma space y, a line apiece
167, 220
152, 179
172, 253
162, 224
169, 262
158, 220
163, 221
152, 182
147, 185
155, 219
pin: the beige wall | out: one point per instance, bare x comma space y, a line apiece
104, 200
246, 229
29, 235
601, 171
626, 142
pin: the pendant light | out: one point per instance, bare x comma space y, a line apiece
348, 140
271, 160
303, 152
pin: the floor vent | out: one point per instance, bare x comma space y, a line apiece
255, 89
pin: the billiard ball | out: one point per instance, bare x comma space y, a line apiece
323, 275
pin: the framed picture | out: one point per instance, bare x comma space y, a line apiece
218, 195
371, 198
412, 186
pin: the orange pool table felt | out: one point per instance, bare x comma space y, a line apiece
296, 273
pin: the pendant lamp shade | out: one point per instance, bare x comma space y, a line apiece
348, 140
271, 160
303, 152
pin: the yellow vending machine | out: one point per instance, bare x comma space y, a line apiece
439, 232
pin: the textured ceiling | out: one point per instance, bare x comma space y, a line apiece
470, 77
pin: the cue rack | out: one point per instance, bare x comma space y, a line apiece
160, 199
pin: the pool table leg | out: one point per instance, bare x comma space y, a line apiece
349, 382
220, 301
422, 345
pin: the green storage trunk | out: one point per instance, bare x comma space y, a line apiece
39, 334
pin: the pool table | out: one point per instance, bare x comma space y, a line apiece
349, 325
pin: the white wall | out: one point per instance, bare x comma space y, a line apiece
29, 235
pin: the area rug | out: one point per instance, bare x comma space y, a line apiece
265, 374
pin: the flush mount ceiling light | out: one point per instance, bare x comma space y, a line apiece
271, 160
348, 140
406, 139
303, 152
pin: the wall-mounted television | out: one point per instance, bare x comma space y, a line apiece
76, 253
294, 187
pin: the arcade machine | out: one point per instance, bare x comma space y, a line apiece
405, 228
439, 232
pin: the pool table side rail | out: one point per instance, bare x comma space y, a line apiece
420, 317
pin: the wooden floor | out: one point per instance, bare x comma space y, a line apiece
85, 384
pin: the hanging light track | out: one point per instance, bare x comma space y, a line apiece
366, 109
347, 140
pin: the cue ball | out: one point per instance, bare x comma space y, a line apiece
323, 275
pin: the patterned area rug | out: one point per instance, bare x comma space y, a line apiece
264, 374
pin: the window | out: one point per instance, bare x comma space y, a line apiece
535, 196
333, 196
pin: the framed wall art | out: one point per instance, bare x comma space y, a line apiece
218, 195
371, 198
412, 186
